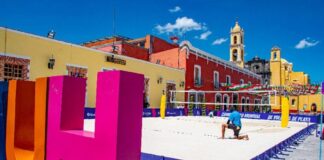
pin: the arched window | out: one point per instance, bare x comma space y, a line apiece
235, 40
234, 54
275, 55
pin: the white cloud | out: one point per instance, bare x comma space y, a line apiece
205, 35
181, 26
305, 43
220, 41
175, 9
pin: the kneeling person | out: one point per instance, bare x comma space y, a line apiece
234, 123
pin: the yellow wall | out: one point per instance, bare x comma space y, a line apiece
275, 68
309, 100
39, 50
298, 78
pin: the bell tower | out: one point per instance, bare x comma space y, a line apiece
237, 45
275, 67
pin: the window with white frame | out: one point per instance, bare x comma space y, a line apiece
241, 81
216, 79
228, 80
197, 75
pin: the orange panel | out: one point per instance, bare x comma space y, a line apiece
26, 119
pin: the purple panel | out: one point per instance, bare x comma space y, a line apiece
323, 88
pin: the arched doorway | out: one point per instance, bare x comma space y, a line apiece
226, 101
235, 100
218, 99
243, 106
314, 108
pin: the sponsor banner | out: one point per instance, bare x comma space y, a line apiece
196, 112
89, 113
275, 116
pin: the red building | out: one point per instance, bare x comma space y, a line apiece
206, 72
140, 48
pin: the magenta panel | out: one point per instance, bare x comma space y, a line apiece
118, 112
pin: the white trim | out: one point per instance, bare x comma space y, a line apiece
90, 49
14, 55
171, 81
107, 69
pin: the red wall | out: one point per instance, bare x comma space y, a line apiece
207, 73
129, 50
158, 44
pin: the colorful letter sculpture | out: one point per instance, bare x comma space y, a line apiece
26, 120
118, 121
284, 112
3, 117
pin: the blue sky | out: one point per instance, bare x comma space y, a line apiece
266, 23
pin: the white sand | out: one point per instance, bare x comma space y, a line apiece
193, 138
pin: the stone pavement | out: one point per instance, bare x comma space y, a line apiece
307, 149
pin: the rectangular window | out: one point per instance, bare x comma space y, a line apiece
13, 68
241, 81
228, 80
197, 75
216, 80
77, 71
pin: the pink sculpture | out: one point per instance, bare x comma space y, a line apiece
118, 122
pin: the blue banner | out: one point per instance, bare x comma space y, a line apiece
3, 115
89, 113
275, 116
152, 112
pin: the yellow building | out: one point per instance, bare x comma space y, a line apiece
27, 56
282, 74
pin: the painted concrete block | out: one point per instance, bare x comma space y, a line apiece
3, 116
26, 120
118, 121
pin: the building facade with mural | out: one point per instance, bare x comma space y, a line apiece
26, 57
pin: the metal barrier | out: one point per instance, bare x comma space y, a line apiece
273, 151
147, 156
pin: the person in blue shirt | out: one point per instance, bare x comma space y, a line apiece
234, 123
